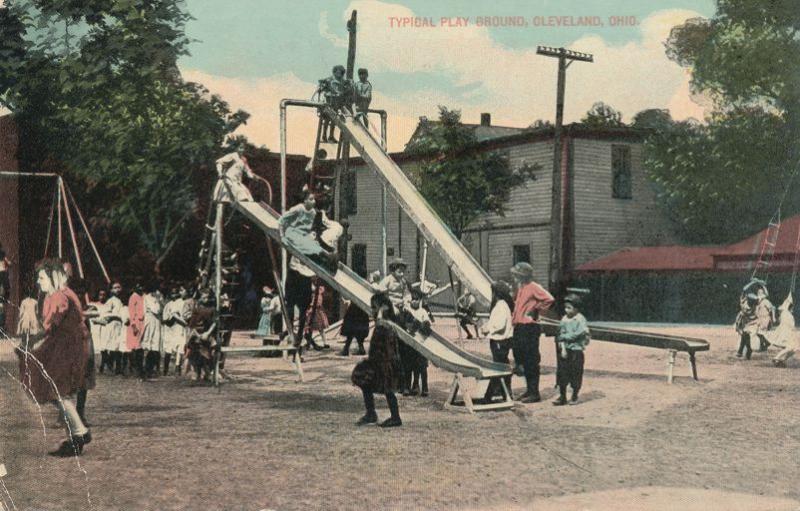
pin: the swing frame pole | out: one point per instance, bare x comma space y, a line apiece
88, 234
71, 228
58, 206
50, 222
62, 198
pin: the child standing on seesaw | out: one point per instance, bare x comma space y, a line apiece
573, 337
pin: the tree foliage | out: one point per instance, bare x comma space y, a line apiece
718, 188
94, 85
459, 180
602, 115
656, 119
723, 179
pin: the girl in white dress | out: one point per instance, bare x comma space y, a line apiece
174, 330
152, 341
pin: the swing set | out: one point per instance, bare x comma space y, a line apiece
61, 208
769, 243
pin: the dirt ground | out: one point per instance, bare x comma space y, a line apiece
264, 441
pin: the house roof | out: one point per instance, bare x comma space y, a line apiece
529, 135
736, 256
786, 242
482, 132
666, 258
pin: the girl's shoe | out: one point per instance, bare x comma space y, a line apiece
73, 447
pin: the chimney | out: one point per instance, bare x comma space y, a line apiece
486, 119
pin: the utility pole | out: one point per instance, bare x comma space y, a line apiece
344, 166
565, 58
351, 46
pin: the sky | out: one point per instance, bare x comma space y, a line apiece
256, 52
253, 53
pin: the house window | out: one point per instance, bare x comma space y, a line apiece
359, 261
522, 254
348, 199
621, 186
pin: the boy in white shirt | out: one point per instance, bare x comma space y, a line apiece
499, 329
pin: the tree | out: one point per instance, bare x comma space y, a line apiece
94, 85
458, 179
724, 179
717, 188
652, 119
540, 124
602, 115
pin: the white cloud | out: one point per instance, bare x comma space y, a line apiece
515, 85
325, 31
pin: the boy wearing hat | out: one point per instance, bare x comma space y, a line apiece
530, 300
573, 337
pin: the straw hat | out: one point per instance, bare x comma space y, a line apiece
522, 269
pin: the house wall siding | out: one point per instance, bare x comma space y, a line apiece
604, 224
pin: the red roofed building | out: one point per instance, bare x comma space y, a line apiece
688, 284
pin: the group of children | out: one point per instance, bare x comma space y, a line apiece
759, 319
513, 327
340, 93
146, 335
150, 334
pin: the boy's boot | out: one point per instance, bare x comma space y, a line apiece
361, 350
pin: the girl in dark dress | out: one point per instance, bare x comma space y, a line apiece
355, 325
380, 371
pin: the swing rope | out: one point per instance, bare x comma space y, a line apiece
796, 263
773, 231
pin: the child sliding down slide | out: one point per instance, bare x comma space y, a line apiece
297, 231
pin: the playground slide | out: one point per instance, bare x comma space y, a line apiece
417, 208
441, 352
